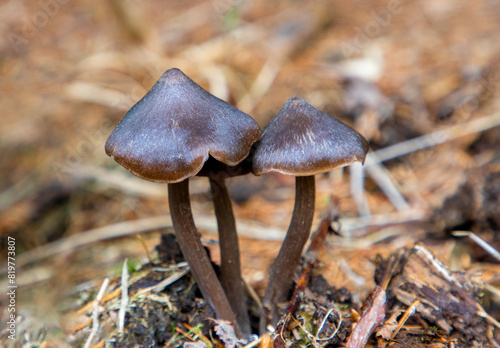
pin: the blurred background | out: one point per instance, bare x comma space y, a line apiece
395, 70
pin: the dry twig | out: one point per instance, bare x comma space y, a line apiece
370, 319
433, 139
95, 313
408, 313
124, 299
479, 241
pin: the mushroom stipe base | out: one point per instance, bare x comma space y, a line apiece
283, 269
196, 256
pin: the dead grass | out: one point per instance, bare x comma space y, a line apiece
427, 71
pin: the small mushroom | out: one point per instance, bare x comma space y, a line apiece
167, 137
301, 141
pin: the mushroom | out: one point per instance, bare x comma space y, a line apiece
167, 137
301, 141
230, 268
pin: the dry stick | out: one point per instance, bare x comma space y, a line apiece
408, 313
482, 313
194, 253
371, 318
377, 172
165, 282
95, 313
124, 299
479, 241
95, 235
373, 159
126, 228
383, 179
323, 322
495, 291
358, 190
433, 139
283, 269
311, 255
230, 268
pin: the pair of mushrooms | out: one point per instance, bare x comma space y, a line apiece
179, 130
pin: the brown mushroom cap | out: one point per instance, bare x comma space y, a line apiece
168, 135
301, 140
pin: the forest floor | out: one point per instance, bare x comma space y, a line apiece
419, 79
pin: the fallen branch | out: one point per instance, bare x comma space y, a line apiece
371, 318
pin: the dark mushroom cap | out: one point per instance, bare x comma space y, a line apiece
301, 140
168, 135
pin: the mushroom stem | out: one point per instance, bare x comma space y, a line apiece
194, 253
230, 268
283, 269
